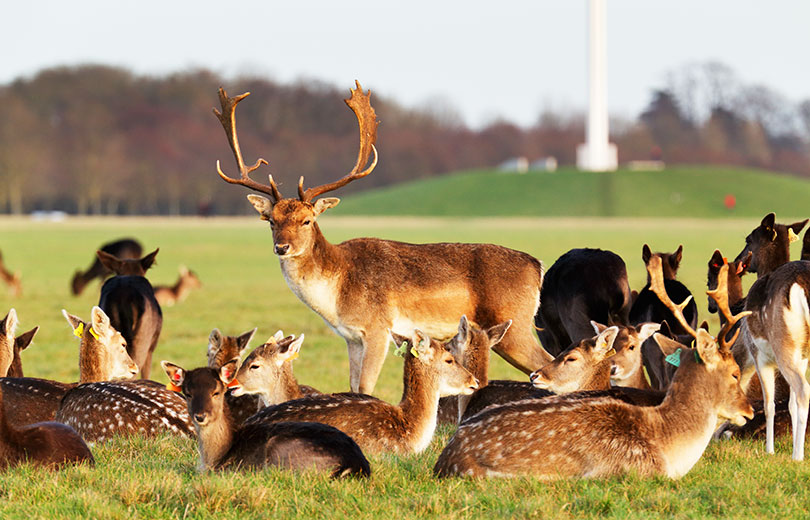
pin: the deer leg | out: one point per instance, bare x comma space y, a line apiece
520, 348
799, 401
355, 347
375, 348
766, 381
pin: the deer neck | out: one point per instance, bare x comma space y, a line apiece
774, 259
599, 378
91, 369
635, 380
215, 439
420, 402
284, 389
15, 369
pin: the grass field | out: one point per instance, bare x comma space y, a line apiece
243, 288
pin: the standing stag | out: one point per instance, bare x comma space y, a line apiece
125, 249
365, 286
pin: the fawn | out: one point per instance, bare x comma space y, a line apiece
168, 295
11, 346
292, 445
221, 349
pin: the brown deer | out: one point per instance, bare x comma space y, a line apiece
430, 372
13, 280
168, 295
129, 300
221, 350
777, 333
291, 445
50, 444
600, 437
365, 286
627, 364
806, 246
11, 345
267, 372
102, 356
125, 248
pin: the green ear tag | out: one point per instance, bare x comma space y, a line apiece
400, 350
674, 359
697, 358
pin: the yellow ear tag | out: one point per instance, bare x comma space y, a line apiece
414, 352
792, 236
93, 332
294, 356
79, 330
611, 352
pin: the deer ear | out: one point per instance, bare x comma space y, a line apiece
262, 205
676, 257
497, 332
322, 205
665, 330
646, 254
798, 226
398, 339
707, 349
243, 339
665, 344
227, 372
10, 323
109, 261
716, 260
23, 340
291, 352
278, 336
605, 340
646, 330
597, 327
461, 340
101, 322
147, 261
214, 342
421, 345
768, 221
176, 374
74, 321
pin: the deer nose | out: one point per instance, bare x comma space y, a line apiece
199, 418
281, 249
613, 370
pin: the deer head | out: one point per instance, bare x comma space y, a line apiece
627, 362
293, 221
736, 270
11, 346
769, 244
222, 349
427, 360
127, 267
670, 262
471, 345
103, 352
204, 390
268, 368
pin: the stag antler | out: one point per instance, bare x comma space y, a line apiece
656, 272
228, 119
720, 295
360, 103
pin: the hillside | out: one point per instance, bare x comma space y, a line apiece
679, 191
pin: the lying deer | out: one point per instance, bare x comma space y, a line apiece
600, 437
129, 301
11, 345
42, 444
221, 350
168, 295
102, 357
582, 285
125, 249
13, 280
430, 372
776, 333
365, 286
291, 445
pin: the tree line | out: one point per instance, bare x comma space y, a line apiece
102, 140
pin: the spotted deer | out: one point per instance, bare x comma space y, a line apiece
268, 374
600, 437
125, 248
13, 280
129, 300
291, 445
222, 349
777, 333
430, 372
365, 286
11, 345
50, 444
168, 295
102, 357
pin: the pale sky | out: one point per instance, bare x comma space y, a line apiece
487, 60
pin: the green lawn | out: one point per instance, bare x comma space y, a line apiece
696, 192
243, 288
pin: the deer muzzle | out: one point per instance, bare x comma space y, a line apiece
282, 249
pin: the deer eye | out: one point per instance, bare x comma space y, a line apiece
254, 367
216, 393
570, 360
632, 347
307, 222
449, 361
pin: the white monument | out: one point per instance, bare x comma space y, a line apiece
597, 154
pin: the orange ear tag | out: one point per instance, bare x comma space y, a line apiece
173, 387
233, 384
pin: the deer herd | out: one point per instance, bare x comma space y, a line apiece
617, 381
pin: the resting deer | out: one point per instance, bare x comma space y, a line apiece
365, 286
102, 357
125, 248
582, 285
267, 372
600, 437
168, 295
49, 444
13, 280
777, 333
129, 301
221, 350
11, 345
291, 445
430, 372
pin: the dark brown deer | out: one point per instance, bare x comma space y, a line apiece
168, 295
102, 356
129, 300
582, 285
430, 372
268, 374
11, 345
777, 333
365, 286
648, 309
806, 246
13, 280
291, 445
600, 437
125, 248
50, 444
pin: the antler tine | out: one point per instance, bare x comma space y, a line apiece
360, 103
720, 295
657, 286
227, 117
